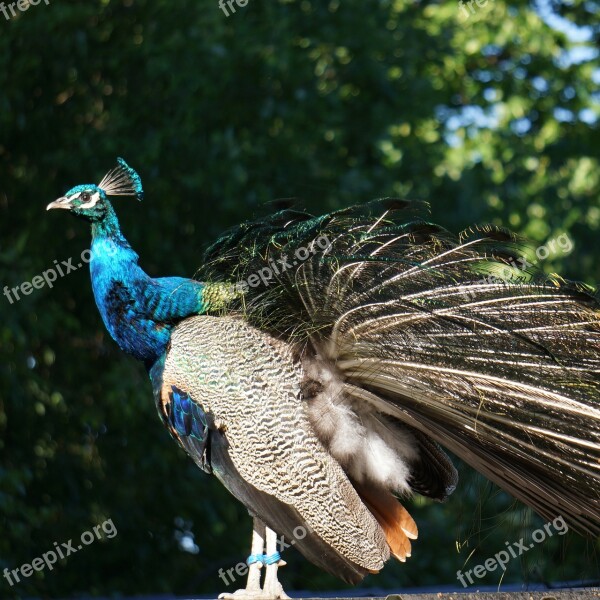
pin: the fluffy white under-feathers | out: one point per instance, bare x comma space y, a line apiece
369, 447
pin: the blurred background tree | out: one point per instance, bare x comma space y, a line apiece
489, 112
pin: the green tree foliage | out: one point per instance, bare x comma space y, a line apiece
489, 112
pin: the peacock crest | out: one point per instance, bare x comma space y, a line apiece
122, 181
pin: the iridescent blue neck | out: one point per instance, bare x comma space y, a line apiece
139, 312
108, 227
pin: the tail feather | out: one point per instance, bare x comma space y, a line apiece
529, 477
458, 337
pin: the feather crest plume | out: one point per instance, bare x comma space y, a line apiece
122, 181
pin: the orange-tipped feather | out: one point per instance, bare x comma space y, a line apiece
397, 524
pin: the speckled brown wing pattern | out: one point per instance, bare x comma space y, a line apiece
248, 385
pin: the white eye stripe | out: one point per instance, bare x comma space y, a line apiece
92, 202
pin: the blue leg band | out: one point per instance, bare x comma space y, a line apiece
272, 559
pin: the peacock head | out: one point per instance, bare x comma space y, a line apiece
90, 202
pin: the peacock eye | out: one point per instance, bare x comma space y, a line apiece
85, 196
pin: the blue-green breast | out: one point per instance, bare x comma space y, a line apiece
139, 312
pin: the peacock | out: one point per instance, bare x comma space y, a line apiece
318, 364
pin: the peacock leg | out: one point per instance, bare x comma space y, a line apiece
253, 590
272, 587
258, 546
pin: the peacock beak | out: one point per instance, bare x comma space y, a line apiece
59, 203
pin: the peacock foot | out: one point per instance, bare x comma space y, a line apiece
271, 561
272, 593
275, 591
272, 590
